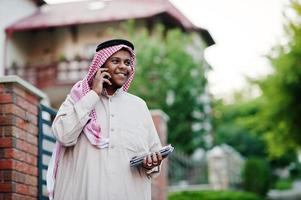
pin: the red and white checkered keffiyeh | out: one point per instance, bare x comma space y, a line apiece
92, 130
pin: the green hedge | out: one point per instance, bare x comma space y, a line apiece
213, 195
256, 176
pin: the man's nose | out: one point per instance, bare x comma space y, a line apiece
123, 65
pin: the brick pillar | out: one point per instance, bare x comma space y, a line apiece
160, 183
19, 102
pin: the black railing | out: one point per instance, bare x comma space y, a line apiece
184, 170
46, 144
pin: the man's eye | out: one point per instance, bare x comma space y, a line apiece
127, 63
114, 61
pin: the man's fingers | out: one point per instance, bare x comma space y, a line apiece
155, 159
103, 69
159, 156
100, 77
107, 81
152, 160
144, 162
149, 160
103, 74
99, 71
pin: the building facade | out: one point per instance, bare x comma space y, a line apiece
53, 47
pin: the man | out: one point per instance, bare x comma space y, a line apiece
99, 128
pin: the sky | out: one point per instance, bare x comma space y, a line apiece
244, 32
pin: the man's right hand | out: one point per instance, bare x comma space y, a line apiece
102, 76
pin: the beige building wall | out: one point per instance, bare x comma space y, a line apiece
10, 12
40, 47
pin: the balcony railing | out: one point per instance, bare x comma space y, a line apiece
54, 74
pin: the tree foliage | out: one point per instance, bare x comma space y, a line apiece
281, 92
239, 125
231, 125
276, 116
170, 78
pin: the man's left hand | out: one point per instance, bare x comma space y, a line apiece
152, 160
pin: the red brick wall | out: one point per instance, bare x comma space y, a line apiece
18, 142
159, 184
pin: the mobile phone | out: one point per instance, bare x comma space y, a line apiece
105, 84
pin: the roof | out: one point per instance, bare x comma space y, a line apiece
38, 2
97, 11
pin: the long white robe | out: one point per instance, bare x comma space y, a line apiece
89, 173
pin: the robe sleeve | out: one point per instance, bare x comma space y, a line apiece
72, 117
154, 143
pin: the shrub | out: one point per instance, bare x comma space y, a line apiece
256, 176
283, 184
213, 195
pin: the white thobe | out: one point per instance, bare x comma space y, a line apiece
86, 172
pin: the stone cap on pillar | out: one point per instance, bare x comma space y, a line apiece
158, 112
24, 84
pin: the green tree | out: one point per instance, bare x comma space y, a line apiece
239, 124
170, 76
231, 127
281, 92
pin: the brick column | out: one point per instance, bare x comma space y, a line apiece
19, 102
160, 183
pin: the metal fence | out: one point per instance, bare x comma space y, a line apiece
46, 145
183, 170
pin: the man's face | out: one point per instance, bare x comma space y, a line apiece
119, 67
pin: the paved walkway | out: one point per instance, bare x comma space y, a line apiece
292, 194
180, 188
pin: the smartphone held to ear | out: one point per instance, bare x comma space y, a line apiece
105, 84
